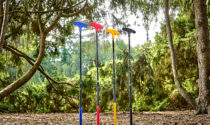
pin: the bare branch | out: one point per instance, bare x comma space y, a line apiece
4, 24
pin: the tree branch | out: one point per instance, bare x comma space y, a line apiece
14, 31
56, 19
4, 24
75, 13
14, 8
31, 61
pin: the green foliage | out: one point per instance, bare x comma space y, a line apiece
153, 86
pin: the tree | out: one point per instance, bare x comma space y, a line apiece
203, 52
182, 91
43, 22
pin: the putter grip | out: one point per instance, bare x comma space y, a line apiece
98, 123
96, 26
129, 30
115, 113
80, 25
80, 116
113, 32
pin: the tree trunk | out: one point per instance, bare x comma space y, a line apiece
4, 24
1, 11
18, 83
181, 90
203, 52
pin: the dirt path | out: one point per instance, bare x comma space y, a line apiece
143, 118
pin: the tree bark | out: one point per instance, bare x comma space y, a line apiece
180, 88
203, 52
4, 24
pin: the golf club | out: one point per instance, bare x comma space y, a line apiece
129, 31
114, 32
96, 26
80, 25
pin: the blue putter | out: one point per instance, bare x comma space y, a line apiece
80, 25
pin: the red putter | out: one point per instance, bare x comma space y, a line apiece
97, 26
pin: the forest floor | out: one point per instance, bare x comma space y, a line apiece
141, 118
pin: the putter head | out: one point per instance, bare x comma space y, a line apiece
129, 30
113, 32
96, 26
80, 25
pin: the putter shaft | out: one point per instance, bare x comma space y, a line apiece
130, 85
80, 25
80, 104
114, 91
98, 123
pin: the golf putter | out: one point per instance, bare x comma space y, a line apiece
80, 25
97, 26
114, 32
129, 31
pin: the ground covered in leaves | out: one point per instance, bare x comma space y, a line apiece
140, 118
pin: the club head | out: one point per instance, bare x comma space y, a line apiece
113, 32
96, 26
80, 25
129, 30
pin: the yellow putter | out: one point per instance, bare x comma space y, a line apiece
114, 32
